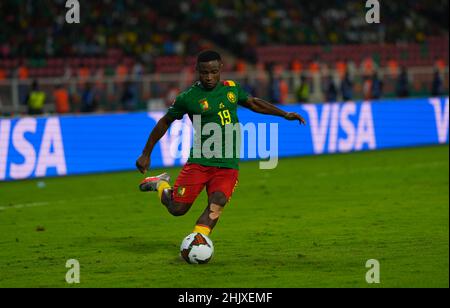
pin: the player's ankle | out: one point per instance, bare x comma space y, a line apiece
202, 229
161, 186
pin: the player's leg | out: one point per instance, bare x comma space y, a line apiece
161, 184
208, 220
220, 189
175, 208
179, 199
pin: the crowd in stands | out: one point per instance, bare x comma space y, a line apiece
38, 29
336, 88
92, 98
125, 39
145, 29
246, 25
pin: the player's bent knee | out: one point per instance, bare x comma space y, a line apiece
180, 209
166, 197
218, 198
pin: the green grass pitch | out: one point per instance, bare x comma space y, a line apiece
311, 222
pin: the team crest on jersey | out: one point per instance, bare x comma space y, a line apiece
181, 191
231, 97
204, 105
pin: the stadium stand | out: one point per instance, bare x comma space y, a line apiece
130, 38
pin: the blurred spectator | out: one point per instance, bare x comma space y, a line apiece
284, 91
262, 82
89, 101
121, 72
61, 96
341, 69
437, 88
314, 67
440, 65
347, 88
368, 66
377, 86
367, 88
99, 79
3, 74
249, 87
296, 66
138, 70
83, 74
273, 89
351, 68
129, 97
331, 93
23, 72
393, 68
275, 94
241, 66
303, 90
35, 100
279, 89
403, 84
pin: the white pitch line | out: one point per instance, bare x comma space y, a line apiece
37, 204
25, 205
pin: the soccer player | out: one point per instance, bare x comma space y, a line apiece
215, 101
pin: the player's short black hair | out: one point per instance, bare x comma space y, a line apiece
208, 56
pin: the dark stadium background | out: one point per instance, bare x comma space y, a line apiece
133, 55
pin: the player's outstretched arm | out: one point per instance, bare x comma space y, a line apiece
261, 106
143, 162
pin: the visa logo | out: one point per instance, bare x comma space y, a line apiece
342, 126
441, 116
27, 150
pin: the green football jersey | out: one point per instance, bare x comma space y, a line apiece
216, 124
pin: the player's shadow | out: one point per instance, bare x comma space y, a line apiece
145, 247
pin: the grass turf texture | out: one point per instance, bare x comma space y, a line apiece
311, 222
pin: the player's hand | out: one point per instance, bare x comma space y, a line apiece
143, 163
292, 116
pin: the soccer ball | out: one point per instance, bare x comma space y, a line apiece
197, 248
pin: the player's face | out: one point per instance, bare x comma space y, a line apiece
209, 73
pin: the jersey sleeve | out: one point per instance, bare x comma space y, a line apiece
178, 109
242, 94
